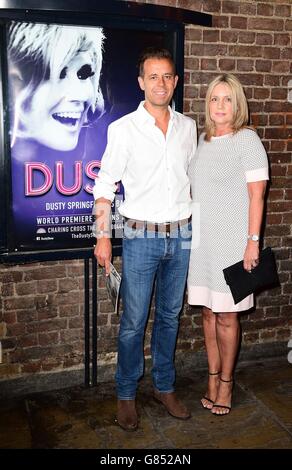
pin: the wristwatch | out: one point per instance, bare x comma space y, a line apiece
254, 238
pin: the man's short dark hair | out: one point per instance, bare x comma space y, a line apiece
154, 53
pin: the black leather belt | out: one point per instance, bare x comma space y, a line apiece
156, 227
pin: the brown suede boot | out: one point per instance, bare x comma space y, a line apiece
127, 415
172, 404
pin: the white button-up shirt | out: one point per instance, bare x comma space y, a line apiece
152, 167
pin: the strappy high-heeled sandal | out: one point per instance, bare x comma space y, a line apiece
207, 398
228, 407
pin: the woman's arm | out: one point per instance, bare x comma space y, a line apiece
256, 192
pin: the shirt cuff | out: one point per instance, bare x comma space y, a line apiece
107, 191
259, 174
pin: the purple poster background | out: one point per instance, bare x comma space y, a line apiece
66, 84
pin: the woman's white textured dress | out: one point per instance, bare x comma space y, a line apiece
219, 174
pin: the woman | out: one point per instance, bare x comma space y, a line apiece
228, 179
54, 73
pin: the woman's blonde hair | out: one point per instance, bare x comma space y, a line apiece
239, 104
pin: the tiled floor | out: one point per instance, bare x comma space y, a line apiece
80, 418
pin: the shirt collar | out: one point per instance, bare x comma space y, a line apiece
144, 116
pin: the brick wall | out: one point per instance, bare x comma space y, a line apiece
41, 305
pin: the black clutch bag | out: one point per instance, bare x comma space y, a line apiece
243, 283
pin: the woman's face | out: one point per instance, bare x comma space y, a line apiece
59, 107
221, 109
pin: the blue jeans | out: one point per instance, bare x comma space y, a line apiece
146, 257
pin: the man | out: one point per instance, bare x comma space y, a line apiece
149, 151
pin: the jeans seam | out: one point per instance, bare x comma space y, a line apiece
156, 338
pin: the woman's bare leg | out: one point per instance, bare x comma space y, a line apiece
214, 363
228, 332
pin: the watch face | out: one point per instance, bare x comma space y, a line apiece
254, 238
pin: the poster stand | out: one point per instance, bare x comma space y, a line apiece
90, 299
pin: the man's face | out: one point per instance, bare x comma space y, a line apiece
158, 82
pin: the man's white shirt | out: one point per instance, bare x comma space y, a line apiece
152, 167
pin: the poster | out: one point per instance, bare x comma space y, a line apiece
66, 83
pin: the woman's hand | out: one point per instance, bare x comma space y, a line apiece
251, 255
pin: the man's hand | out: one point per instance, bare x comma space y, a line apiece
103, 253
